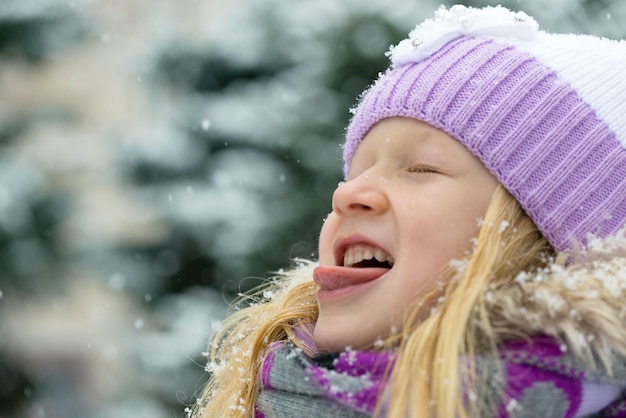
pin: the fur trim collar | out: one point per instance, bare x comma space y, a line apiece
582, 304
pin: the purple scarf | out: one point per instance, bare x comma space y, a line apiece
542, 380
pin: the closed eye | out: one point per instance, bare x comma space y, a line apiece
421, 169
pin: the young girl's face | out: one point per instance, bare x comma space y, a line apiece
410, 205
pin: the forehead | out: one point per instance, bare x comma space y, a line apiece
405, 136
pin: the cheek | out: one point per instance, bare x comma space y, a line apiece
466, 215
443, 230
327, 237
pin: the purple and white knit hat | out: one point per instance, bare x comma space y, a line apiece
545, 113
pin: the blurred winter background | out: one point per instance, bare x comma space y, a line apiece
154, 153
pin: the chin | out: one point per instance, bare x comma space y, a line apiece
336, 340
327, 345
330, 341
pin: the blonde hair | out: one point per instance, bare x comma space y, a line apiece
429, 376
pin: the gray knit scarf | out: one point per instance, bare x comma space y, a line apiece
541, 381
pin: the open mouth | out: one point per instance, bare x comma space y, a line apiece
356, 264
366, 256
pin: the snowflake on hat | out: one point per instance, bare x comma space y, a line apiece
458, 21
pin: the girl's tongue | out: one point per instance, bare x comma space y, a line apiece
335, 277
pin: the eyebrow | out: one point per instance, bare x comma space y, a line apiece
436, 151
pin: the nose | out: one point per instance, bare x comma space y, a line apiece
360, 195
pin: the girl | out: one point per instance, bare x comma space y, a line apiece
474, 263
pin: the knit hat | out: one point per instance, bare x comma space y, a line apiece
545, 113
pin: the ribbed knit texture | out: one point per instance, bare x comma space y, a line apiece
530, 128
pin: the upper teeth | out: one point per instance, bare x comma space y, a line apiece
357, 253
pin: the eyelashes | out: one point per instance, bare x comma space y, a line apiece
422, 169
